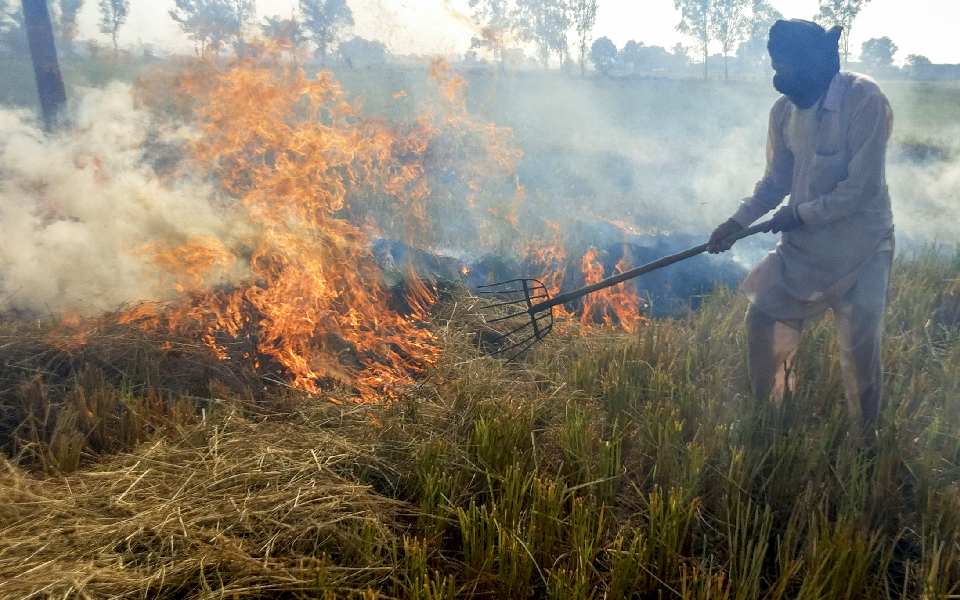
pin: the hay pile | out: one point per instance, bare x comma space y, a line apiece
243, 506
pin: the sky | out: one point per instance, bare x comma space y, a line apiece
925, 27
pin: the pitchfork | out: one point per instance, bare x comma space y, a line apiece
524, 328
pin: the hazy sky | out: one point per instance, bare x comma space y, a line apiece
443, 26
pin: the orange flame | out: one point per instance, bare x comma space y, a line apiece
298, 160
618, 306
316, 178
613, 306
550, 257
312, 178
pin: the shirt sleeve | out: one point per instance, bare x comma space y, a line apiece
870, 129
778, 178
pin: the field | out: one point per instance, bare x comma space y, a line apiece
606, 465
610, 465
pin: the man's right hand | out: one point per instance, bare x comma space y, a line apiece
720, 238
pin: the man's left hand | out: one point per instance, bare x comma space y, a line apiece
785, 219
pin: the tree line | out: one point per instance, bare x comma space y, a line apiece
555, 29
730, 23
212, 25
737, 27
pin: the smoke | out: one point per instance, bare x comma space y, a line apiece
83, 213
924, 179
677, 156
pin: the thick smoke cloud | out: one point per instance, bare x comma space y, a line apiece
77, 209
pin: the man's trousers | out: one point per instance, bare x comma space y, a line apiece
772, 344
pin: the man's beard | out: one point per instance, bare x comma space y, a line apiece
803, 91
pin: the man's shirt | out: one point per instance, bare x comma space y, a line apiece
831, 161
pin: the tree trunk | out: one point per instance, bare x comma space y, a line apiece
46, 67
726, 67
845, 35
583, 57
706, 61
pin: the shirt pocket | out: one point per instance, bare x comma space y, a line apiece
827, 171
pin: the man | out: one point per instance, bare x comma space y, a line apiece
826, 149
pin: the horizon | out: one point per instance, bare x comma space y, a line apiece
444, 27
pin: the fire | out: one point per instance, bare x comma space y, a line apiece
190, 263
315, 181
312, 181
550, 257
618, 306
613, 306
296, 156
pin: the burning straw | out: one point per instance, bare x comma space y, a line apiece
270, 266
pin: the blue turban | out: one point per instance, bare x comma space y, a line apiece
804, 42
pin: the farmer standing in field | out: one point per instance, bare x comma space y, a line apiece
826, 149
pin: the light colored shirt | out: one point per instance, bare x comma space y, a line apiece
831, 160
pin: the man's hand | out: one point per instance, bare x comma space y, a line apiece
720, 238
785, 219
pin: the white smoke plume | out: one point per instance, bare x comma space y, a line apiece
77, 209
926, 192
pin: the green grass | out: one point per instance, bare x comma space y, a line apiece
609, 466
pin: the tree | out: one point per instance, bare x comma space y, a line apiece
359, 52
729, 24
842, 13
324, 21
545, 23
753, 52
12, 36
878, 53
113, 14
695, 22
69, 10
584, 18
648, 59
918, 60
681, 52
206, 22
210, 23
287, 32
493, 17
603, 53
917, 64
656, 59
631, 54
242, 13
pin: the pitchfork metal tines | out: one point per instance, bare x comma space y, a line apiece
522, 309
522, 313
